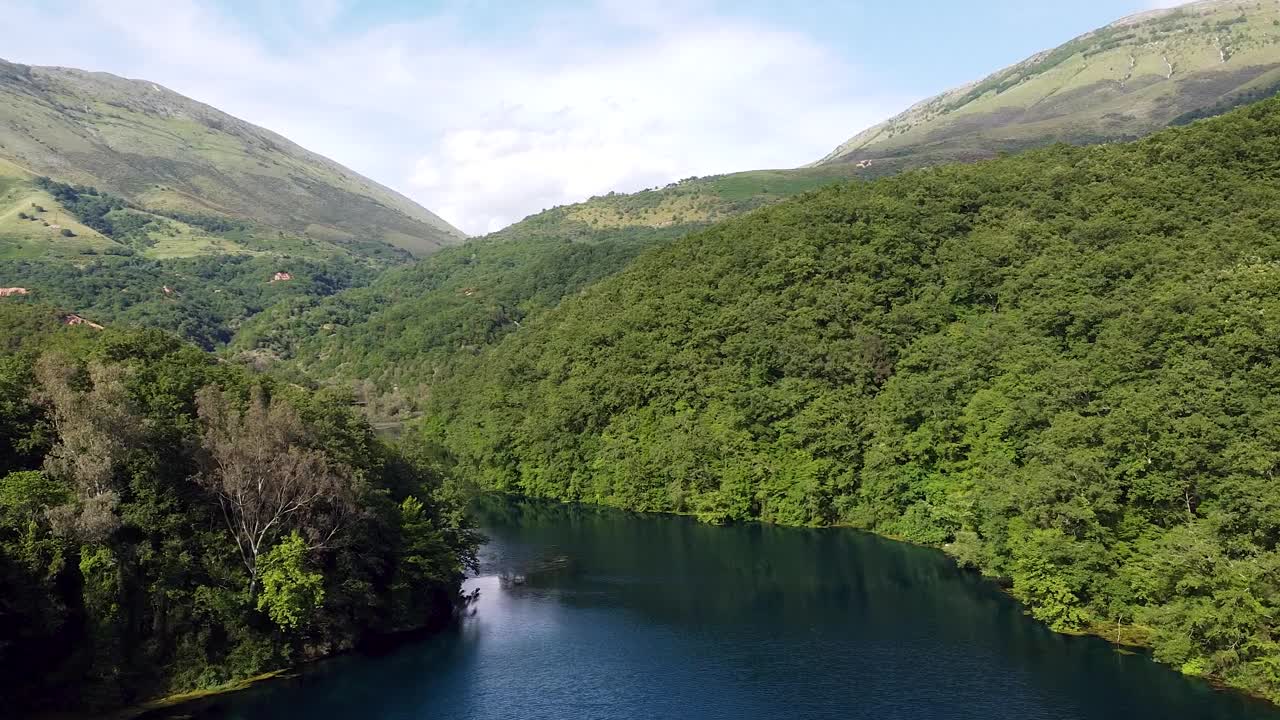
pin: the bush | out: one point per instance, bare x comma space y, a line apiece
67, 233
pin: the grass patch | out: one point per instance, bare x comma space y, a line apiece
32, 224
191, 245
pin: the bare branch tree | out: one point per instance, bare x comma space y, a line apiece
267, 480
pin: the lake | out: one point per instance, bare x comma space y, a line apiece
591, 613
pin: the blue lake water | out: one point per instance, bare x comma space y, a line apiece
589, 613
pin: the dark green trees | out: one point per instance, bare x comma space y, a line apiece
125, 485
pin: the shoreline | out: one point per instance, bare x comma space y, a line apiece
1127, 638
1135, 638
162, 703
188, 696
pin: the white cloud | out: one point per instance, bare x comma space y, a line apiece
483, 131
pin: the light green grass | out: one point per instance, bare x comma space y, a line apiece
162, 151
179, 246
42, 237
1113, 83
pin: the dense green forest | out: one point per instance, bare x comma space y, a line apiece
1059, 366
394, 338
395, 335
203, 299
169, 521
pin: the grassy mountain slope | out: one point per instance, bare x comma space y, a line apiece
1060, 366
1119, 82
169, 153
94, 254
41, 218
31, 221
167, 213
690, 202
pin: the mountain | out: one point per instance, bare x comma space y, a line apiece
408, 326
1060, 366
405, 327
173, 156
1122, 81
127, 203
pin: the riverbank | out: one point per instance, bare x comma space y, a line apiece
375, 645
190, 696
633, 616
1123, 637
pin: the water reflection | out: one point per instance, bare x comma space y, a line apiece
590, 613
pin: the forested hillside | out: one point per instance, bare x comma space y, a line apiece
170, 522
411, 324
1059, 366
204, 299
199, 273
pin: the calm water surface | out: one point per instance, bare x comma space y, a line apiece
588, 613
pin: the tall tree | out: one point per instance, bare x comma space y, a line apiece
268, 480
96, 425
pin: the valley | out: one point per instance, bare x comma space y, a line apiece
256, 408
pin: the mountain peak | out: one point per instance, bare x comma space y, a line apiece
1123, 80
147, 143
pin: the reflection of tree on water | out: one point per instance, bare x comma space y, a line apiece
743, 621
467, 608
545, 572
679, 571
878, 608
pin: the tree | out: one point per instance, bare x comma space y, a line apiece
290, 590
96, 426
117, 580
267, 479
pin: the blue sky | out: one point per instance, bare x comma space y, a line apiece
487, 111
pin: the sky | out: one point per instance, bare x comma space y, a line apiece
486, 111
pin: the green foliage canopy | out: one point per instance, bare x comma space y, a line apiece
121, 579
